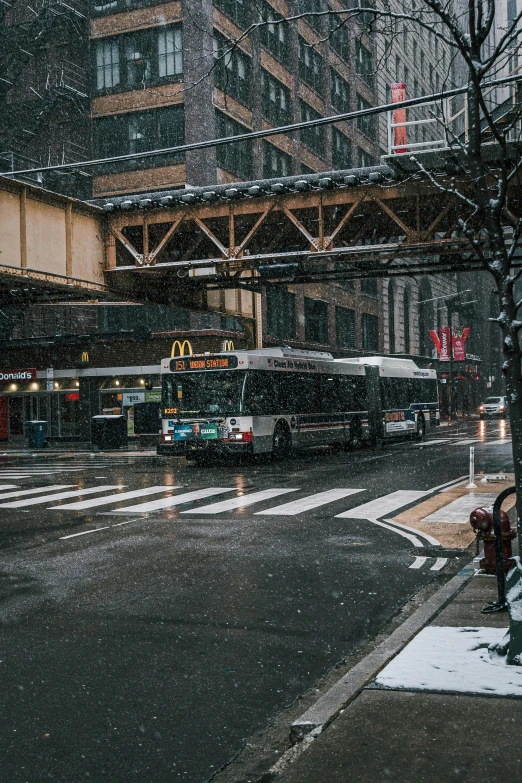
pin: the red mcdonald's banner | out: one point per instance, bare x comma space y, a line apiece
459, 344
398, 93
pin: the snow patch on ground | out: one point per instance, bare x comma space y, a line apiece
453, 659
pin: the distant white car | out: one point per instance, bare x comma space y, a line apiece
493, 406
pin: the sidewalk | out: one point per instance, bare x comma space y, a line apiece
426, 716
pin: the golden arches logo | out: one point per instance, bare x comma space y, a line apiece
228, 345
180, 347
85, 357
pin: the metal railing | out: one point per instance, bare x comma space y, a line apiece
68, 76
446, 123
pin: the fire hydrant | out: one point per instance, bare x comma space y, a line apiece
481, 520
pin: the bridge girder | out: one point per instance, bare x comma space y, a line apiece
318, 235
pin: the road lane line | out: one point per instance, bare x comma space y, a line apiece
465, 442
58, 496
239, 502
384, 505
8, 486
85, 532
439, 564
414, 540
107, 499
175, 500
418, 562
415, 531
309, 502
434, 442
36, 490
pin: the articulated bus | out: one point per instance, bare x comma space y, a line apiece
279, 399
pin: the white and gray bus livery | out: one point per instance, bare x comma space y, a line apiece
278, 399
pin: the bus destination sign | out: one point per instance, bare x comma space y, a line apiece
182, 364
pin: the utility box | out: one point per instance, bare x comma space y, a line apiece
109, 432
36, 434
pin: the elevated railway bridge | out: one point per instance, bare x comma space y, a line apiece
177, 247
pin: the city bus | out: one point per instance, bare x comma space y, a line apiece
274, 400
405, 397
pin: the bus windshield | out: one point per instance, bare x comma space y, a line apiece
205, 393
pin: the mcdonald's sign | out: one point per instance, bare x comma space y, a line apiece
178, 348
227, 345
84, 357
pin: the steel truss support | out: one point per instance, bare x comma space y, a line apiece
312, 236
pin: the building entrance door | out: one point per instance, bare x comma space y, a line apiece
16, 416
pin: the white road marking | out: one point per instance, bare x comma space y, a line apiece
8, 486
57, 496
239, 502
309, 502
434, 442
17, 476
414, 530
384, 505
107, 499
440, 562
499, 442
418, 562
85, 532
175, 500
36, 490
414, 540
465, 442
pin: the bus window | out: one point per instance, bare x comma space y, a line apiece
309, 393
330, 394
347, 393
260, 395
396, 393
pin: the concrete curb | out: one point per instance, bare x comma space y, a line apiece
328, 706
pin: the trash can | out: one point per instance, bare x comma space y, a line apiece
109, 432
36, 434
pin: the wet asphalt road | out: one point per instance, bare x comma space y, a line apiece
153, 645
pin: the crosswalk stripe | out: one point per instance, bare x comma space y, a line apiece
36, 490
384, 505
175, 500
239, 502
7, 486
465, 442
18, 476
57, 496
309, 502
418, 562
106, 499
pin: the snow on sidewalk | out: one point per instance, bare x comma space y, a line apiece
449, 659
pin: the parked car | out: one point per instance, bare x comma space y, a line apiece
493, 406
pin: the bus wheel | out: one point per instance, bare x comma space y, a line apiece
355, 434
281, 441
421, 427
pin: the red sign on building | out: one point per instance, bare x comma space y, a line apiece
18, 376
444, 337
459, 343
